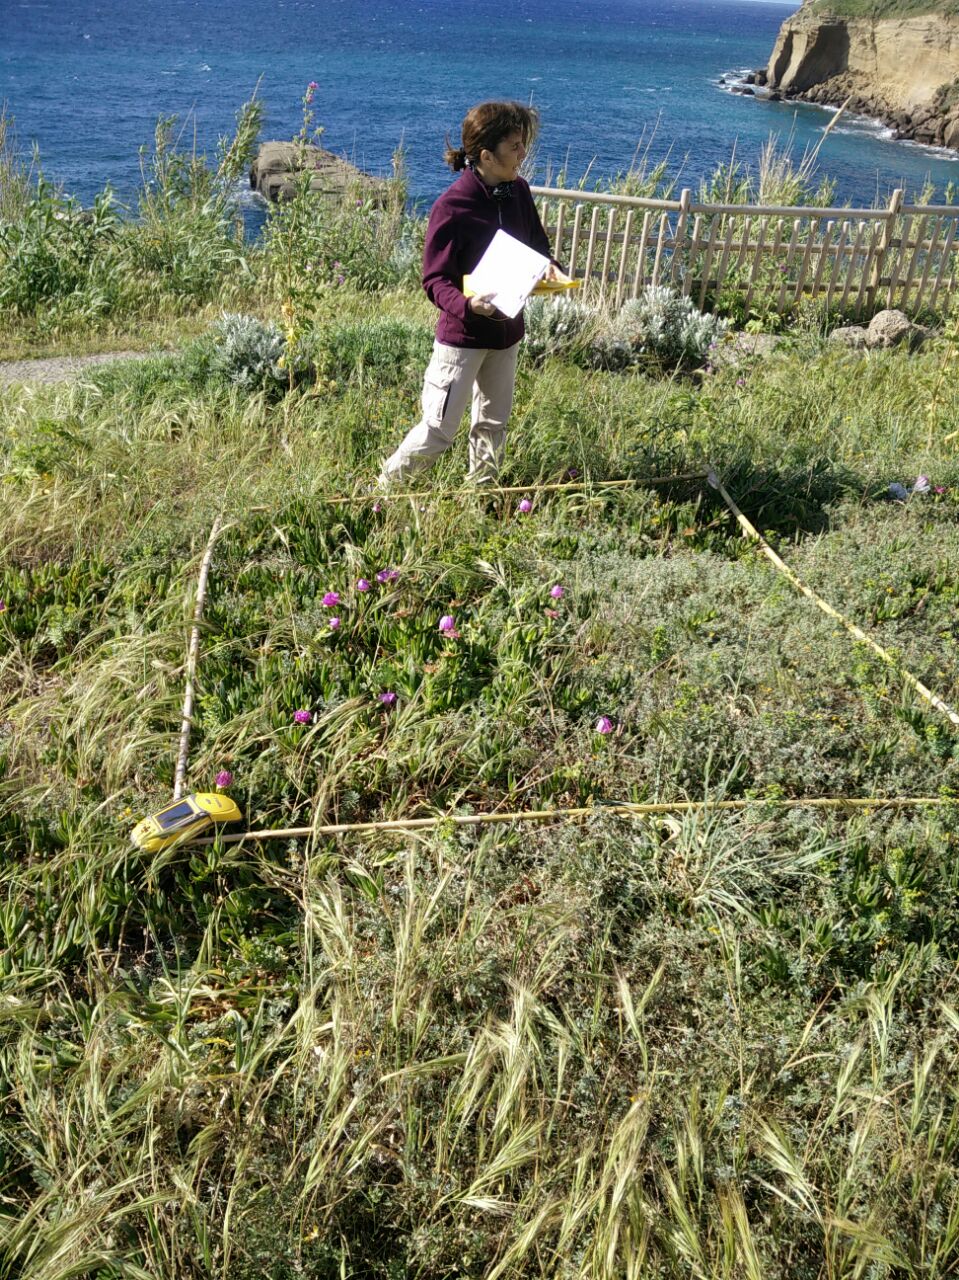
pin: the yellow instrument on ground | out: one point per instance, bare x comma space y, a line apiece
182, 819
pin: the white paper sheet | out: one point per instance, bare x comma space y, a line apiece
507, 273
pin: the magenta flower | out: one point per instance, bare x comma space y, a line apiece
224, 778
387, 575
557, 592
331, 598
313, 86
362, 585
604, 725
572, 473
3, 606
388, 698
301, 717
377, 508
334, 624
447, 622
940, 488
525, 506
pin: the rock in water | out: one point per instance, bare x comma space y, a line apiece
276, 167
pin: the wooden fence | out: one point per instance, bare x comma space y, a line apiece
855, 261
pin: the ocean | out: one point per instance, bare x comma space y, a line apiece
86, 80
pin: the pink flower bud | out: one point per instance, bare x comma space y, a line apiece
302, 717
525, 506
331, 598
362, 585
557, 592
604, 725
224, 778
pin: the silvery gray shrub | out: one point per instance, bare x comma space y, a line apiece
558, 327
247, 350
663, 323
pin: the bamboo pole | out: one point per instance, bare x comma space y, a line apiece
694, 248
837, 263
823, 258
560, 228
913, 260
888, 231
714, 226
901, 250
930, 249
790, 255
865, 279
753, 533
179, 777
763, 228
814, 230
639, 279
660, 243
624, 258
610, 227
944, 262
574, 245
724, 256
591, 245
616, 809
853, 259
679, 239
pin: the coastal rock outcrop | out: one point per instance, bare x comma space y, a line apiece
901, 70
277, 165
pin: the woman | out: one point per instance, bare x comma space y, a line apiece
476, 345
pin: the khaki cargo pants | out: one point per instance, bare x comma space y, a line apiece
452, 374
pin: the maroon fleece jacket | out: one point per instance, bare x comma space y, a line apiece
462, 223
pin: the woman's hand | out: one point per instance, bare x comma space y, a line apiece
482, 306
556, 275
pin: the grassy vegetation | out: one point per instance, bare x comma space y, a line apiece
885, 8
711, 1046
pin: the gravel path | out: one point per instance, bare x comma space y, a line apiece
61, 368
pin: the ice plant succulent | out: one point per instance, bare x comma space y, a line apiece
362, 584
448, 627
301, 717
331, 598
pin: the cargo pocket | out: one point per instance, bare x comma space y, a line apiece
436, 394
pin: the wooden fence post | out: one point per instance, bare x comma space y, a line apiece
685, 199
879, 262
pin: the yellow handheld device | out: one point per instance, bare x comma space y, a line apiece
182, 819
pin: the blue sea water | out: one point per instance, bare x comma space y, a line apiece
86, 80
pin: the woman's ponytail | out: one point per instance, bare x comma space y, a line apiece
455, 157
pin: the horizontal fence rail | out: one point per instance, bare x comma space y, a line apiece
854, 261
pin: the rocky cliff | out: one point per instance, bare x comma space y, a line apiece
904, 71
